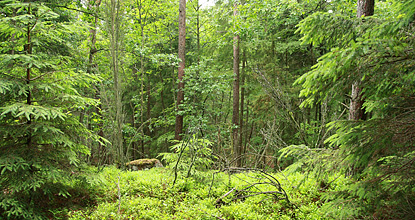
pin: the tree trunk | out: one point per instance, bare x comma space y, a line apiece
115, 42
142, 88
91, 68
356, 112
365, 8
181, 53
93, 33
356, 103
197, 10
142, 21
163, 107
147, 130
241, 119
198, 36
235, 116
246, 127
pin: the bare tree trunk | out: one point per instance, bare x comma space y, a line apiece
115, 42
147, 132
142, 81
244, 147
197, 9
241, 119
181, 53
356, 103
364, 8
235, 116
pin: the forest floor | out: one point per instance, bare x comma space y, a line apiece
254, 194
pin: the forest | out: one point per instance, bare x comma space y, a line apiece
236, 109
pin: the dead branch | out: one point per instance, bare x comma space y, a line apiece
241, 197
252, 189
219, 201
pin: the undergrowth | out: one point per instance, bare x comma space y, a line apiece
149, 194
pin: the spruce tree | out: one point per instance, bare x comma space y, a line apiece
40, 138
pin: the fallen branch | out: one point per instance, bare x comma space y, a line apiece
240, 197
252, 189
219, 201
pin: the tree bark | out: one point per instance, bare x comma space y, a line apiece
115, 42
235, 116
356, 112
198, 36
181, 53
365, 8
147, 131
140, 13
241, 119
356, 103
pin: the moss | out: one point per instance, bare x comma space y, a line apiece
144, 163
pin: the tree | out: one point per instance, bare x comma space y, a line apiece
114, 15
241, 118
364, 8
235, 115
92, 68
142, 18
40, 138
378, 153
181, 54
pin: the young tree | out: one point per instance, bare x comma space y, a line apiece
39, 134
378, 153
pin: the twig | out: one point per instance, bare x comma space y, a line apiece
273, 180
78, 10
258, 193
119, 194
180, 157
226, 194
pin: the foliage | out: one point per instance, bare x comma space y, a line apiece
189, 155
148, 195
380, 56
40, 138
